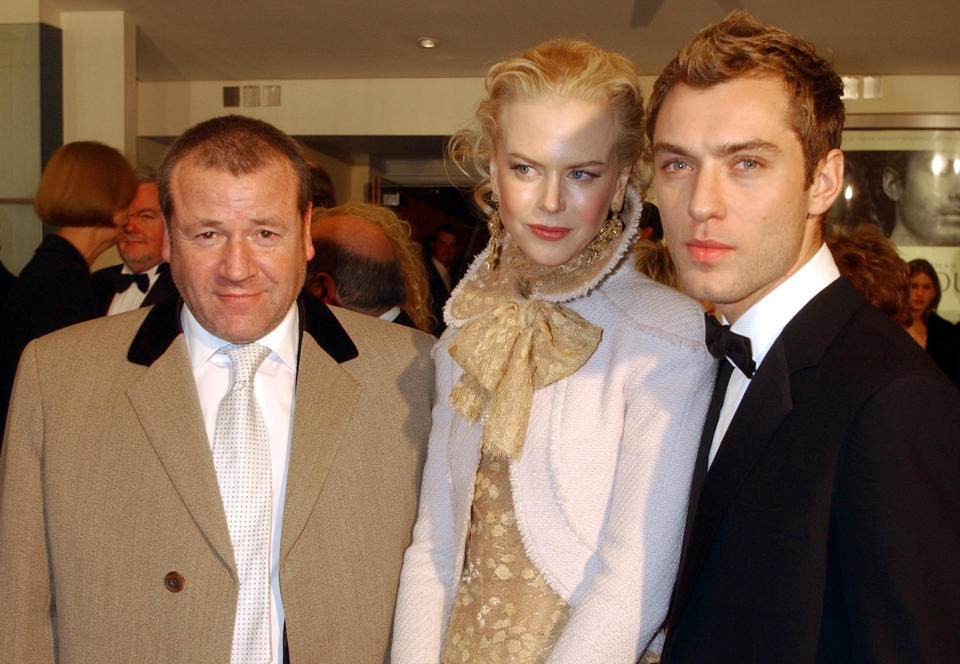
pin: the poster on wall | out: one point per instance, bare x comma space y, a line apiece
907, 182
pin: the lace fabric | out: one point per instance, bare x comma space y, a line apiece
504, 611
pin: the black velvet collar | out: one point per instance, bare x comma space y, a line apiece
162, 325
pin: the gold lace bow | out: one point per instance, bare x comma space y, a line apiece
506, 353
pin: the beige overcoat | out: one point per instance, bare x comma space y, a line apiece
113, 540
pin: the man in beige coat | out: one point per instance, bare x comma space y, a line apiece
114, 538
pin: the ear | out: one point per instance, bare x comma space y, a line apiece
307, 236
827, 183
324, 288
892, 183
165, 248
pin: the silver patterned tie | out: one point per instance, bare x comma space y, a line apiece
241, 456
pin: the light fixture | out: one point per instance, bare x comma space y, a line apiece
427, 42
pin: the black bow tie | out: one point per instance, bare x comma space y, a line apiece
721, 342
121, 282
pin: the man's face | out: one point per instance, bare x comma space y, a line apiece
729, 175
445, 247
141, 240
928, 199
238, 246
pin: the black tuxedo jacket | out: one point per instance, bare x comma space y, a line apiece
103, 281
828, 529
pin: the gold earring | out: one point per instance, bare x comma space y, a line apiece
496, 236
610, 232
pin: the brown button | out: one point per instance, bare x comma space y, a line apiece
173, 581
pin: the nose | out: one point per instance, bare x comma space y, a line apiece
706, 195
552, 198
237, 263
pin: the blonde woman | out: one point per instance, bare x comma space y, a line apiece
571, 390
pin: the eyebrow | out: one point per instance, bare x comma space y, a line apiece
724, 150
585, 164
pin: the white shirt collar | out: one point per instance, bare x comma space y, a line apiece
390, 314
282, 341
765, 320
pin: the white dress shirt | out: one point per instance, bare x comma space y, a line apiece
274, 386
765, 320
132, 298
391, 314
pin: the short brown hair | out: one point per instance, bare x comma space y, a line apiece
569, 69
739, 46
238, 145
84, 184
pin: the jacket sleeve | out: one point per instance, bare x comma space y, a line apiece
426, 581
897, 524
26, 629
626, 604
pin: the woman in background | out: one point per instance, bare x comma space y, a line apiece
85, 190
939, 337
571, 390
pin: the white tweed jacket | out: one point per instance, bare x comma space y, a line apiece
601, 489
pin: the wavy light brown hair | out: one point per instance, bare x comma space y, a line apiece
406, 251
866, 257
564, 68
739, 47
84, 184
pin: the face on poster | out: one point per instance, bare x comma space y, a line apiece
907, 182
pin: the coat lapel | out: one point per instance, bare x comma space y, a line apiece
166, 403
326, 398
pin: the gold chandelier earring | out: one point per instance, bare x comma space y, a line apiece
610, 232
495, 227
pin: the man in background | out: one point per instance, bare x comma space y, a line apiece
143, 278
823, 522
354, 265
443, 256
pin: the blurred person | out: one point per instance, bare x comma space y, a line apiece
366, 261
443, 256
227, 478
143, 278
868, 259
823, 513
321, 187
925, 189
84, 190
940, 338
570, 390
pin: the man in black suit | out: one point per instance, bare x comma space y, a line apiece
824, 522
440, 271
143, 278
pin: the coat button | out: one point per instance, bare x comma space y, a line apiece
173, 581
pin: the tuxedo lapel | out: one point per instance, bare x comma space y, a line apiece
162, 288
764, 406
165, 401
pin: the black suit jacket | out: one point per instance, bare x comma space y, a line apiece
103, 282
828, 529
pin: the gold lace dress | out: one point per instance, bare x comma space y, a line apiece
504, 611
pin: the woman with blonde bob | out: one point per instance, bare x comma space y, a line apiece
571, 390
84, 190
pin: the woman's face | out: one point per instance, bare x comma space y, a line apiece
922, 292
554, 170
